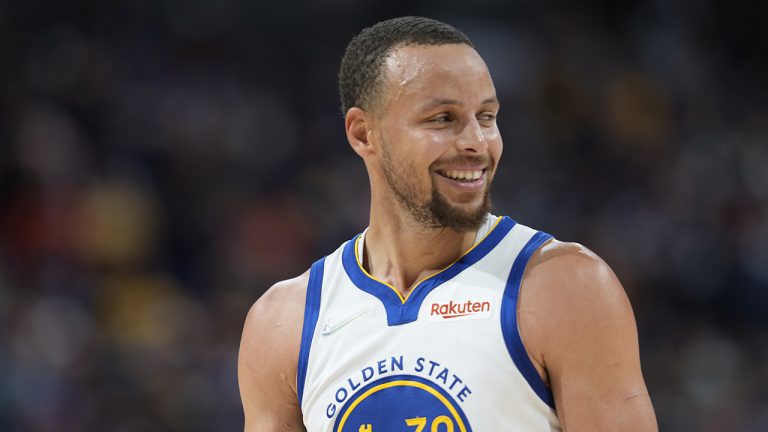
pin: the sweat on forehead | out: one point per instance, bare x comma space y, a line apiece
437, 70
364, 58
408, 61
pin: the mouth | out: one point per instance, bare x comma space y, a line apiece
463, 176
464, 180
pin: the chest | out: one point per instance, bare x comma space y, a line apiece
448, 361
440, 360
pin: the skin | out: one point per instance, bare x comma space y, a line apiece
439, 114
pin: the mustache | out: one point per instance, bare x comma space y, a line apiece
463, 159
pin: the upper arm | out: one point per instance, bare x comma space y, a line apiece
268, 358
579, 326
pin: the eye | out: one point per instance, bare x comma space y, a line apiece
487, 117
441, 118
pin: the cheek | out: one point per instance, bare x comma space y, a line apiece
495, 144
424, 148
435, 143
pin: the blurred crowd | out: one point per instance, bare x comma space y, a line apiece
162, 163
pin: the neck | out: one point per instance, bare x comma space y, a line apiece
401, 252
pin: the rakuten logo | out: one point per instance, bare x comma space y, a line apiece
469, 308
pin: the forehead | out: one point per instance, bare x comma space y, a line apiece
453, 71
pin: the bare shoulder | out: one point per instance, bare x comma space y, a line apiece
268, 357
276, 318
282, 300
570, 275
569, 295
580, 331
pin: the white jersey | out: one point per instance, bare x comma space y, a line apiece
447, 358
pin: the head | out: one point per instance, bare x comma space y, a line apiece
420, 109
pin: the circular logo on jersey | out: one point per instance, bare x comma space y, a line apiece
401, 403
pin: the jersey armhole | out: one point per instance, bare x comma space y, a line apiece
509, 327
311, 313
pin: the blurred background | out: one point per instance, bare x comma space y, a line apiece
163, 162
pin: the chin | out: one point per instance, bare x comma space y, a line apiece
459, 217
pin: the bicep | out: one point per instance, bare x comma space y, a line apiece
595, 374
267, 369
584, 333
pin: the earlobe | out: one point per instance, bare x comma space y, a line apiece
358, 127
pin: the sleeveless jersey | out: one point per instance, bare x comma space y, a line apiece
447, 358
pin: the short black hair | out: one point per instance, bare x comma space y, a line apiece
360, 72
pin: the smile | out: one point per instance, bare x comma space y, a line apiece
466, 176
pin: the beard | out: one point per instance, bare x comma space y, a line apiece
437, 212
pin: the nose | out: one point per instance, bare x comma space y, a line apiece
471, 138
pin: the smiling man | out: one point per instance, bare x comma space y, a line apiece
439, 316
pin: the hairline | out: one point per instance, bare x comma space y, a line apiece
376, 96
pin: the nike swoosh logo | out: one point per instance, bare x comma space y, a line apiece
329, 329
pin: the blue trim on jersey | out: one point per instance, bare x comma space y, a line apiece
399, 312
509, 320
311, 313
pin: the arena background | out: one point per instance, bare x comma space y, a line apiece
163, 162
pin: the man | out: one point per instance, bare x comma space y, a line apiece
418, 323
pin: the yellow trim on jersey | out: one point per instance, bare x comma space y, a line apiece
416, 384
359, 264
403, 299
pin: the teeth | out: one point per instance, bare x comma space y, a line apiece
464, 175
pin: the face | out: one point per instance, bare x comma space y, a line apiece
437, 134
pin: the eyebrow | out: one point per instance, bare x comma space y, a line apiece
447, 101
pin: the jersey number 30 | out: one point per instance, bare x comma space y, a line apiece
420, 423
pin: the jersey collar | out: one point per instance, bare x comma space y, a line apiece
401, 310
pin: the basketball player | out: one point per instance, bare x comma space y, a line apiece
439, 316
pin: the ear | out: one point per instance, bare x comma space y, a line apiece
359, 128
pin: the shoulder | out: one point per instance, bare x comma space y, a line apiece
268, 357
579, 329
284, 296
278, 313
571, 272
272, 330
569, 297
